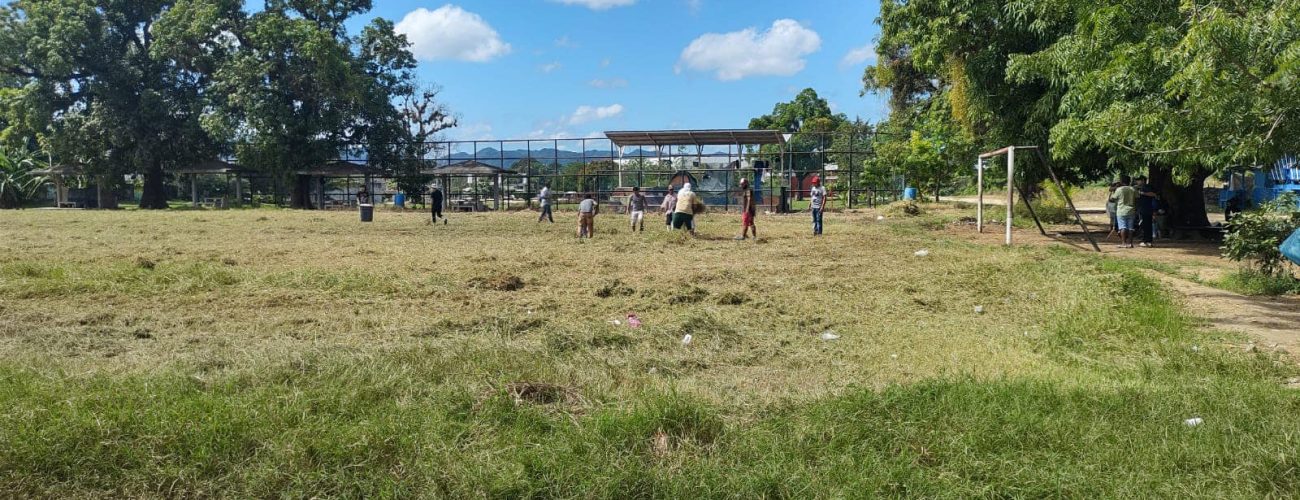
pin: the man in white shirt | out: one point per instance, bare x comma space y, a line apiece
818, 195
544, 198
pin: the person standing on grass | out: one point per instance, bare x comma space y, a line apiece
747, 211
587, 211
1125, 198
636, 208
544, 198
435, 205
688, 204
1110, 209
669, 206
1146, 211
818, 196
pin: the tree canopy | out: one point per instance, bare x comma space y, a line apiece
1182, 89
140, 87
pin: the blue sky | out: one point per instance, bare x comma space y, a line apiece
515, 69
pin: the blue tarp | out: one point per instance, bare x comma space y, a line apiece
1291, 247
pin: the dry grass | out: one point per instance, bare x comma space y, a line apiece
240, 289
282, 353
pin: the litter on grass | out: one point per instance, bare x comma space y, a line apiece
893, 356
979, 309
830, 335
922, 253
687, 339
880, 217
633, 321
1193, 422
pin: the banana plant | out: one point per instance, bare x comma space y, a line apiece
19, 183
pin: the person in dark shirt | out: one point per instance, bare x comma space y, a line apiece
1146, 210
747, 211
435, 205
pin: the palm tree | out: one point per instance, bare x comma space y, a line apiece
19, 183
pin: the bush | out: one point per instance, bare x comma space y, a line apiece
1254, 282
907, 208
1048, 212
1256, 235
19, 184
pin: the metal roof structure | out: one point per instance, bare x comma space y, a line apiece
211, 167
736, 137
467, 167
61, 170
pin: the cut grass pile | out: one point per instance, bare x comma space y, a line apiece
281, 353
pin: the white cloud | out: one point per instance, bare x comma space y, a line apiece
695, 5
597, 4
474, 132
451, 33
779, 51
565, 42
550, 67
859, 55
612, 83
585, 114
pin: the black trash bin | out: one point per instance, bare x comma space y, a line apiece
367, 212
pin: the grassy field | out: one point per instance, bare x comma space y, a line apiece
284, 353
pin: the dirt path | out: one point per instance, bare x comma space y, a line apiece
1269, 320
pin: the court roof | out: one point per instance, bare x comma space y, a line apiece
695, 137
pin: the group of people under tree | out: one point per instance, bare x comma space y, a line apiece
1135, 211
679, 206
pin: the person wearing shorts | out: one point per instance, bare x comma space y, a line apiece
747, 211
1125, 198
636, 209
587, 211
688, 204
669, 206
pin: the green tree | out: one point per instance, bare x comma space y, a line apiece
1183, 89
97, 93
291, 89
809, 120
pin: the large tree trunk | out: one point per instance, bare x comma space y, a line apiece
1186, 203
154, 195
105, 195
300, 197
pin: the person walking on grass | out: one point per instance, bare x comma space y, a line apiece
747, 211
669, 206
818, 196
1125, 198
1146, 211
587, 211
544, 199
688, 204
636, 209
435, 205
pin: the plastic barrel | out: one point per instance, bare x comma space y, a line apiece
367, 212
909, 194
399, 200
1291, 247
